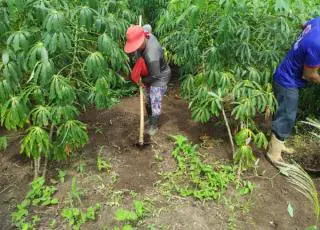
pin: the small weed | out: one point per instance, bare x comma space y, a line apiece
75, 192
245, 187
195, 178
52, 224
3, 143
103, 165
81, 168
61, 175
130, 218
76, 217
114, 177
133, 194
158, 157
115, 199
39, 194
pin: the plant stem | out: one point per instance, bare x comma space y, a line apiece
229, 131
75, 50
37, 167
47, 157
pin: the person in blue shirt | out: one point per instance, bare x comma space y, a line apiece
300, 66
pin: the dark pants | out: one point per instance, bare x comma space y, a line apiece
285, 116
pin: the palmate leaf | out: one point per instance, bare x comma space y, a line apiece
72, 134
245, 157
34, 92
38, 52
95, 64
55, 22
35, 143
12, 73
41, 115
100, 24
105, 44
61, 90
57, 41
101, 94
64, 113
14, 113
260, 140
6, 90
245, 109
42, 73
114, 55
19, 40
243, 137
86, 17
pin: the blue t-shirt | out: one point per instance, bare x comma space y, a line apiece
304, 52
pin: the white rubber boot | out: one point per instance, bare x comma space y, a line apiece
288, 150
274, 151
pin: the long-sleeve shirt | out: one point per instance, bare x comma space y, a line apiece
159, 70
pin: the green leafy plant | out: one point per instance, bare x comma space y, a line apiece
61, 175
81, 167
130, 218
228, 60
39, 194
201, 180
58, 57
103, 165
76, 217
75, 192
3, 143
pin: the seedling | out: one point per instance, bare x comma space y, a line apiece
81, 167
75, 192
130, 218
61, 175
76, 217
103, 165
39, 194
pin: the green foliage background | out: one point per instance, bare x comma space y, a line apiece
57, 57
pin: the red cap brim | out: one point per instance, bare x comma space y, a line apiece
133, 46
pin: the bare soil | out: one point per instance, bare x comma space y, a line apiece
136, 174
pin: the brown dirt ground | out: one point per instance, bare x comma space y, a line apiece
138, 170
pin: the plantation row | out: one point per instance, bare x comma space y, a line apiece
57, 58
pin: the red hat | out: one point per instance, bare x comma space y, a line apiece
135, 38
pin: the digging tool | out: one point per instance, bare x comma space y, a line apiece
141, 139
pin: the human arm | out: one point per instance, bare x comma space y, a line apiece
312, 62
311, 74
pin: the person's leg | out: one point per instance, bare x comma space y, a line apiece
156, 96
283, 120
148, 105
285, 116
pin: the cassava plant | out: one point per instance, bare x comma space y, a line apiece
228, 51
59, 56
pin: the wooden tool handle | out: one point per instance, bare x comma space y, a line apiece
141, 105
